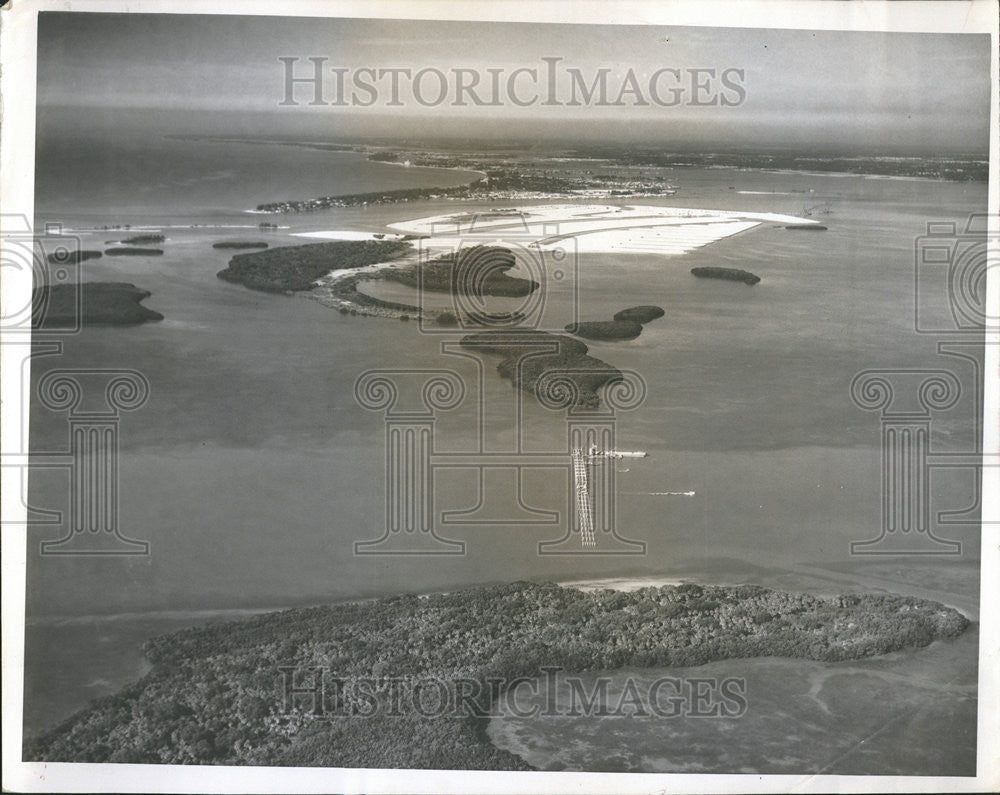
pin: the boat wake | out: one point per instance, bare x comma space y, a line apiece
661, 493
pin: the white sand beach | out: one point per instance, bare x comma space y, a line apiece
595, 228
347, 234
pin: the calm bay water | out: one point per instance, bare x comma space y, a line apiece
252, 470
126, 165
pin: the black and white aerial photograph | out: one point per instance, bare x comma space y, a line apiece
494, 397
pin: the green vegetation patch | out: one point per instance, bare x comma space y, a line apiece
554, 368
730, 274
478, 271
133, 252
140, 240
561, 381
72, 257
626, 325
91, 304
240, 244
347, 290
218, 694
518, 342
640, 314
606, 329
288, 268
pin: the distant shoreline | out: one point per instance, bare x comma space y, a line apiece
531, 176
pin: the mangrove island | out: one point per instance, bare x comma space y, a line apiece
90, 304
296, 268
729, 274
344, 685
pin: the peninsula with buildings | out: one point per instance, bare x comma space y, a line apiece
609, 172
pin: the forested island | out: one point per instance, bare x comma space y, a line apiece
626, 324
729, 274
72, 257
90, 304
605, 329
640, 314
240, 244
130, 251
142, 240
478, 271
295, 268
554, 368
220, 694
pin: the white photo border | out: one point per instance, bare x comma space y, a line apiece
18, 37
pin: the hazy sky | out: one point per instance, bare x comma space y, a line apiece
822, 89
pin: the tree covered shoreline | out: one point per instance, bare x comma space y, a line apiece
215, 693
